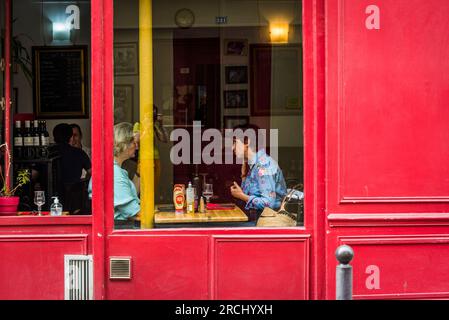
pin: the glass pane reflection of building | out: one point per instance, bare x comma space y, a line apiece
217, 64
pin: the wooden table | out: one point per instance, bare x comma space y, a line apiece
211, 216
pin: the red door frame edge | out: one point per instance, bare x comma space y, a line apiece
314, 147
7, 82
97, 55
98, 45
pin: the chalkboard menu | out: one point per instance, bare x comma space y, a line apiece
60, 82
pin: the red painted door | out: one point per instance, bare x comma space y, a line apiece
388, 144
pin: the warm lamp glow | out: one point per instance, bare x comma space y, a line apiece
279, 32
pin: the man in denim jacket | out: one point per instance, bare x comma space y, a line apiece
263, 183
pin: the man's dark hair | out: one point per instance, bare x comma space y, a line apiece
74, 125
62, 133
247, 126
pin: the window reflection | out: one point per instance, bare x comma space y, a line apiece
216, 66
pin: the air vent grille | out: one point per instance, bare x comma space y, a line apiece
120, 268
78, 277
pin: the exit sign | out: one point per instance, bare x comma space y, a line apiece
221, 20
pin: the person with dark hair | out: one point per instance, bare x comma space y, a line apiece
77, 138
73, 160
76, 141
263, 183
62, 133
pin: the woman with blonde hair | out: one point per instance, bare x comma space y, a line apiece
126, 200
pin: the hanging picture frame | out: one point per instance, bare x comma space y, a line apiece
60, 82
235, 98
123, 103
236, 47
126, 59
236, 74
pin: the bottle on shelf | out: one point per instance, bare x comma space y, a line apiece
18, 141
35, 133
45, 137
36, 138
28, 142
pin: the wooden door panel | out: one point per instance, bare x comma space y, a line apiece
379, 274
163, 267
387, 103
32, 265
261, 268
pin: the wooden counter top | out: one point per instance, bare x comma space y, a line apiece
232, 215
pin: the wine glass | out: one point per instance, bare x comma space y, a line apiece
208, 191
39, 200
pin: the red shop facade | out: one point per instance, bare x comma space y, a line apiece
376, 149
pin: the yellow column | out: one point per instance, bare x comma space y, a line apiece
146, 155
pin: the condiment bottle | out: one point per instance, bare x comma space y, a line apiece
202, 207
178, 198
190, 198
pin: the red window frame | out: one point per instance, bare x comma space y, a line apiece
102, 128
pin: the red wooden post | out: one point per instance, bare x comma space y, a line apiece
98, 198
314, 143
7, 87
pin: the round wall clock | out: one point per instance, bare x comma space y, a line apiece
184, 18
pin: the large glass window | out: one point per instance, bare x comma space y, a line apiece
50, 110
187, 76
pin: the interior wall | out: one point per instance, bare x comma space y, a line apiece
33, 27
246, 20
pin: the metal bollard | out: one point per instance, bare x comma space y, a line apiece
344, 254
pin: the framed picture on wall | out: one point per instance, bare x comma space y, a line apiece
123, 103
236, 74
126, 59
235, 99
236, 47
231, 122
60, 82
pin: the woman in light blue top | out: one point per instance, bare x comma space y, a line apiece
126, 201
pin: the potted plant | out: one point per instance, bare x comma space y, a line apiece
21, 58
9, 202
